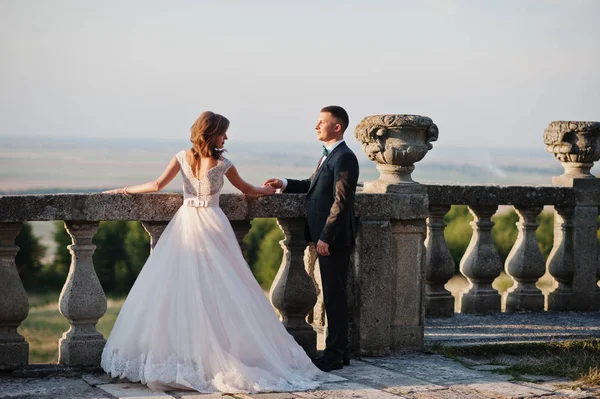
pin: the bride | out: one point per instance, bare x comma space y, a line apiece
196, 318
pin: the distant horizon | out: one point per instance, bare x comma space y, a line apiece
311, 140
92, 164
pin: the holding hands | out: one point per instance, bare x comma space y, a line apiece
275, 183
267, 189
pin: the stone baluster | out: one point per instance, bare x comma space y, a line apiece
82, 301
14, 306
525, 264
293, 292
241, 229
154, 230
561, 262
481, 264
317, 315
439, 265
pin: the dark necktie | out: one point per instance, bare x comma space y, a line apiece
325, 152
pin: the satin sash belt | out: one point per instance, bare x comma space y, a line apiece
196, 203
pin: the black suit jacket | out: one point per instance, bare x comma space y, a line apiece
330, 198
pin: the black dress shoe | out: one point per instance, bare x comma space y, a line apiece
325, 364
346, 360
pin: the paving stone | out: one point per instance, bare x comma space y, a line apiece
463, 328
468, 361
341, 390
48, 388
447, 393
98, 379
540, 378
198, 395
331, 377
131, 390
508, 390
434, 369
560, 387
490, 367
407, 389
579, 393
266, 396
379, 377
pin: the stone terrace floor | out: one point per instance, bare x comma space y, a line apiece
462, 329
398, 376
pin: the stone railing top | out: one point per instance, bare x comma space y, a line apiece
406, 206
162, 206
506, 195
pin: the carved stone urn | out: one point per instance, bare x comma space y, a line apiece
576, 145
396, 142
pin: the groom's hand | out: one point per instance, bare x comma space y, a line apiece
275, 183
322, 248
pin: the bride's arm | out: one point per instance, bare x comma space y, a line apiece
152, 186
246, 188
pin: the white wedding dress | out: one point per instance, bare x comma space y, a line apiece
196, 318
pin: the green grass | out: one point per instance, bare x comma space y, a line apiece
45, 325
576, 360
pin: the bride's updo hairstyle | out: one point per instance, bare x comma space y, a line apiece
205, 131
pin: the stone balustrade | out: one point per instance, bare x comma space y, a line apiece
383, 315
401, 262
572, 263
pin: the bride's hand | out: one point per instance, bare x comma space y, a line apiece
117, 191
268, 189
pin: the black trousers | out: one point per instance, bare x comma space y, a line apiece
334, 278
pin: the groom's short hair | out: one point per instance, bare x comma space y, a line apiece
338, 113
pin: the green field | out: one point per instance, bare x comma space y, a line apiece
45, 325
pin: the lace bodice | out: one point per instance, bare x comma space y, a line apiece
205, 190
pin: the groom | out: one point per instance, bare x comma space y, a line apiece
330, 223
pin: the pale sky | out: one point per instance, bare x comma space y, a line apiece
489, 73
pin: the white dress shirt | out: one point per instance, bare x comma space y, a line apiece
329, 148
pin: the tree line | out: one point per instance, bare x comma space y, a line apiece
122, 248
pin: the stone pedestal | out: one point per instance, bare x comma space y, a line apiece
82, 301
14, 306
374, 286
390, 275
585, 242
585, 227
391, 254
408, 250
576, 144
